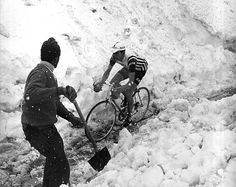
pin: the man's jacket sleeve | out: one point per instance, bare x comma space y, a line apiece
35, 91
63, 112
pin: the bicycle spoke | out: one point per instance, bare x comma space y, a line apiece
101, 119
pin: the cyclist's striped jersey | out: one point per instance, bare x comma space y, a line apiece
139, 63
131, 62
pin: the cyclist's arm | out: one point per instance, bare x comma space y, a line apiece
106, 74
108, 70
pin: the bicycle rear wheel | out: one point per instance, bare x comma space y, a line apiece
141, 98
101, 119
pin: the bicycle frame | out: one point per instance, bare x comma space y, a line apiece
110, 99
103, 124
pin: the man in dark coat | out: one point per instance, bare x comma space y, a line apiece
40, 108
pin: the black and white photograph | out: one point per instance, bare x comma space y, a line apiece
117, 93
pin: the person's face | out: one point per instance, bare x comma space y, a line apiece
118, 55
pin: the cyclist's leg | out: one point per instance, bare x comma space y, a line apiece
120, 76
128, 95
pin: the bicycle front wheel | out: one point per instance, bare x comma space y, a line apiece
101, 119
141, 98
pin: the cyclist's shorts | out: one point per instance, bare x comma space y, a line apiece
138, 75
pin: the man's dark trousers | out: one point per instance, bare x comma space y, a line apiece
49, 143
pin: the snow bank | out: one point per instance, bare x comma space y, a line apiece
192, 141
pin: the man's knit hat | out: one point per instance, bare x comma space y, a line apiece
50, 49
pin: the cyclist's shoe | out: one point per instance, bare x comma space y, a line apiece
127, 121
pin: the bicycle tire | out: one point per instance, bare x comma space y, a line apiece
141, 98
101, 119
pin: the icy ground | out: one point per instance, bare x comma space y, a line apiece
191, 142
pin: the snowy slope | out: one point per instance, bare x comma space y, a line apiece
181, 39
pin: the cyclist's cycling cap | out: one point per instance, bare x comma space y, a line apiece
118, 47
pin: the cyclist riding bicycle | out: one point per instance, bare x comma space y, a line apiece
134, 69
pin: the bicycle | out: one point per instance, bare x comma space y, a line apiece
106, 113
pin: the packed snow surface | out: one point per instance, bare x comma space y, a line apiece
191, 142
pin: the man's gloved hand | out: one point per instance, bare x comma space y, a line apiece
76, 122
68, 92
97, 87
